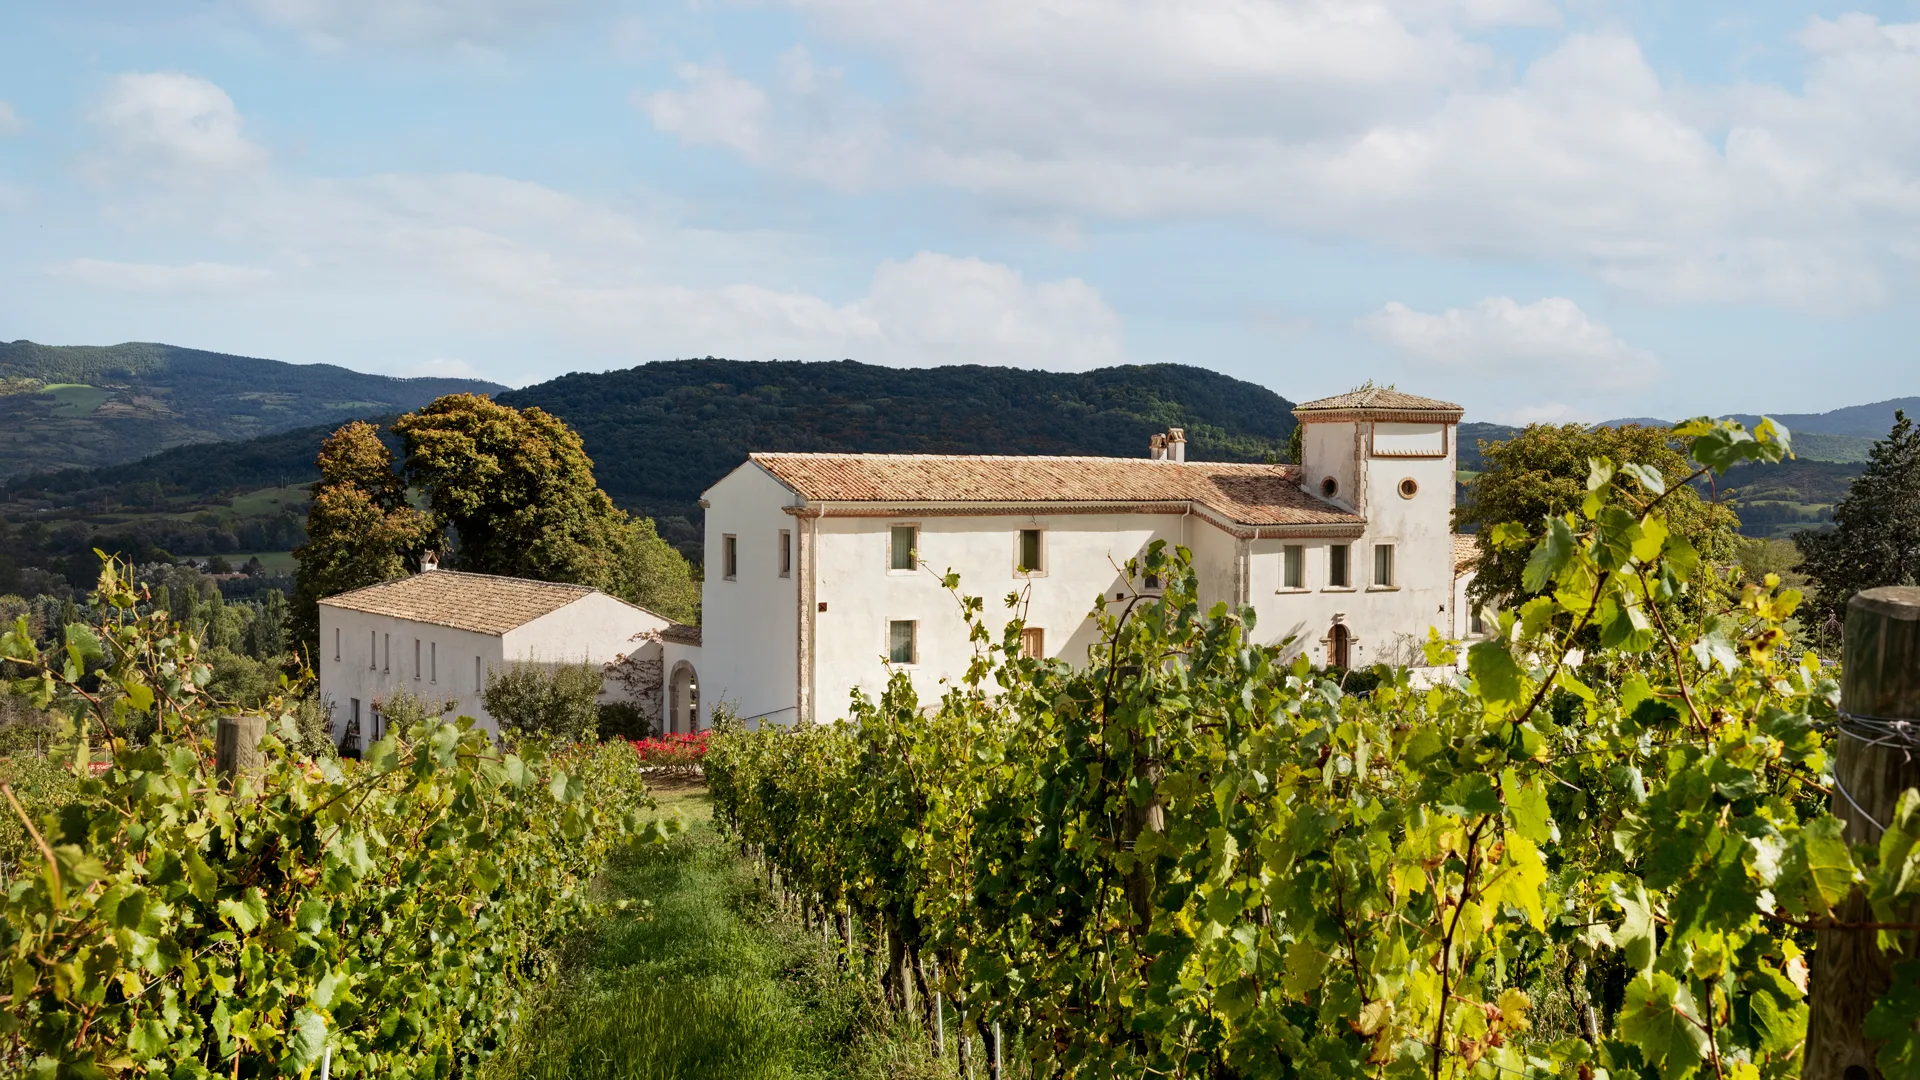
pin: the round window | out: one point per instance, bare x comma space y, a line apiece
1409, 488
1329, 487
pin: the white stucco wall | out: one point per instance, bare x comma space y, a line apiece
750, 625
1084, 557
376, 654
375, 658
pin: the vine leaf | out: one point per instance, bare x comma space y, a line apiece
1658, 1017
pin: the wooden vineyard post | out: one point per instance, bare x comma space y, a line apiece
939, 1014
1876, 757
236, 746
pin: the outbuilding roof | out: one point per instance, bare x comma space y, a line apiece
481, 603
1381, 400
1466, 552
1245, 494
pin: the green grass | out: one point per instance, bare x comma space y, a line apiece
710, 983
75, 399
281, 561
269, 501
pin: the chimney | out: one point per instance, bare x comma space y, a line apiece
1177, 444
429, 561
1157, 448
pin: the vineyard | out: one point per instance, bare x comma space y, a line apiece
1604, 850
387, 917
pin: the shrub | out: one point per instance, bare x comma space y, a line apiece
625, 720
559, 701
679, 753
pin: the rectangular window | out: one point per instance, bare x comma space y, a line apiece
1293, 570
476, 675
353, 719
336, 643
1478, 625
416, 659
730, 557
1383, 565
1339, 573
373, 650
900, 641
1033, 642
386, 652
905, 540
433, 661
786, 553
1030, 553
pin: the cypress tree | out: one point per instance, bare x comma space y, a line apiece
1875, 540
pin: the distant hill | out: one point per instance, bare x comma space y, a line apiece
1842, 435
661, 433
67, 406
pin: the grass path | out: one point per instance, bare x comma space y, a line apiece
708, 984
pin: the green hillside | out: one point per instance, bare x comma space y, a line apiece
85, 406
660, 434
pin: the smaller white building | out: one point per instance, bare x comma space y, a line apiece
440, 633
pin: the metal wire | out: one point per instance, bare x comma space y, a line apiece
1875, 731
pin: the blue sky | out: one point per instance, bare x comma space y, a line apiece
1540, 208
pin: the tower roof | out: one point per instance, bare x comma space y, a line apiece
1379, 403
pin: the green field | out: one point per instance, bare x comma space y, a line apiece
75, 399
269, 501
276, 562
711, 982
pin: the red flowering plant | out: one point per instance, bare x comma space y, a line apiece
675, 753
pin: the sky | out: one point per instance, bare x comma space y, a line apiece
1541, 209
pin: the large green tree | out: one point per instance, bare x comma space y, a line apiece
517, 489
1542, 472
361, 530
1875, 540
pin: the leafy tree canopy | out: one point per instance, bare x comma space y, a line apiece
1876, 536
360, 528
1542, 472
517, 488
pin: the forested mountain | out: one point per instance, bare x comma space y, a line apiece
82, 405
659, 434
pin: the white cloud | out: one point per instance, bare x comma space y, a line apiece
459, 257
1550, 339
441, 368
199, 277
183, 124
1383, 120
814, 128
937, 309
11, 122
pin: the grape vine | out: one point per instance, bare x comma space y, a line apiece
1191, 857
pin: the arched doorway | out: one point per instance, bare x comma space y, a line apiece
683, 699
1339, 647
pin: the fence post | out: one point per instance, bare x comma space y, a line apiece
236, 746
1874, 761
939, 1013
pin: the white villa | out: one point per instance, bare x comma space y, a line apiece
822, 570
440, 633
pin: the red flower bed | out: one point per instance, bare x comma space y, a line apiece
673, 751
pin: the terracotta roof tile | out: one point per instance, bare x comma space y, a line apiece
1245, 494
1466, 552
1379, 399
682, 634
481, 603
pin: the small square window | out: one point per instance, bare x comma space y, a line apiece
904, 544
1033, 642
786, 553
1383, 565
730, 557
1339, 566
1030, 552
1293, 571
901, 643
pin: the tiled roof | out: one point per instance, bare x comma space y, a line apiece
1379, 399
1466, 552
482, 603
1245, 494
682, 634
